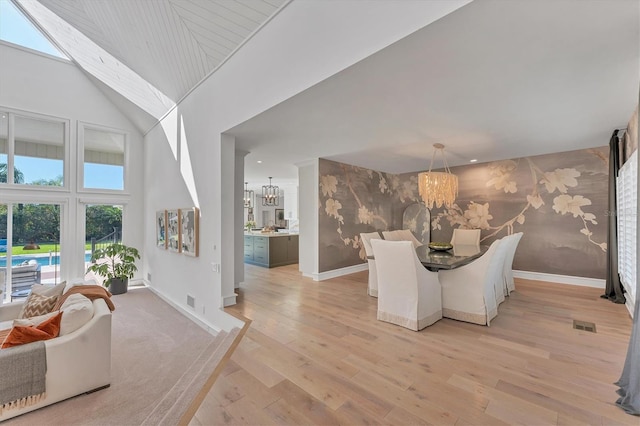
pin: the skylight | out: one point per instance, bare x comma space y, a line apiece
17, 29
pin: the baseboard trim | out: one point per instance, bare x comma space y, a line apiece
229, 300
209, 328
560, 279
338, 272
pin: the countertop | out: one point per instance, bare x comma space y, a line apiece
268, 234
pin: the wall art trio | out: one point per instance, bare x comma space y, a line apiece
177, 230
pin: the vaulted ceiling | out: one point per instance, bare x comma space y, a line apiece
145, 55
494, 79
173, 44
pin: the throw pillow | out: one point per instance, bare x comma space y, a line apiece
78, 310
42, 290
23, 335
38, 305
33, 321
49, 290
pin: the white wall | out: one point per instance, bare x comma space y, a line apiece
308, 179
305, 43
42, 84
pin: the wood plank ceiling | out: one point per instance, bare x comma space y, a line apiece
173, 44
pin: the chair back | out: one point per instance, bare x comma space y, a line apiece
466, 236
470, 289
366, 238
402, 235
507, 273
396, 268
497, 268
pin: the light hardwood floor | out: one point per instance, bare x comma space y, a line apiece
315, 354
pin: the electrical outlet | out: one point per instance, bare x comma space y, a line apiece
149, 276
215, 267
191, 301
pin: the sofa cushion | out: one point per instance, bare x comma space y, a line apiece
33, 321
22, 335
77, 311
42, 290
38, 305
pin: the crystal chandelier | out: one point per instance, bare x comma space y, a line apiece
439, 188
270, 194
248, 196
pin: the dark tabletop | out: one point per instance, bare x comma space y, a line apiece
459, 255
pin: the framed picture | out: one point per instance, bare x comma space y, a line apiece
189, 220
161, 229
280, 221
173, 230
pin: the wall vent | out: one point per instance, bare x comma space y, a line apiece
191, 301
584, 325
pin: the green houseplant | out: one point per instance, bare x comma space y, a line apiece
116, 263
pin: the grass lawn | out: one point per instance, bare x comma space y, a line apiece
44, 248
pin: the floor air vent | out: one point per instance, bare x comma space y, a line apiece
584, 325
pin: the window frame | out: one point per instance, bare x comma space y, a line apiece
82, 126
66, 166
626, 206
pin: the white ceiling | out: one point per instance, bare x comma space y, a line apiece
172, 44
493, 80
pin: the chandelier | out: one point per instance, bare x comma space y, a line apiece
270, 194
438, 187
248, 196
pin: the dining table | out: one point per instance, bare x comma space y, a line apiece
458, 255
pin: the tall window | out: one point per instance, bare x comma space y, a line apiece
29, 247
104, 159
32, 150
4, 146
39, 151
5, 291
103, 226
627, 193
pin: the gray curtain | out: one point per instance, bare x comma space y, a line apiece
629, 382
613, 289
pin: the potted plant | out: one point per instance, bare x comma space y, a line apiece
116, 263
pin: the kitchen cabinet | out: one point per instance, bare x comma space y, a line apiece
270, 250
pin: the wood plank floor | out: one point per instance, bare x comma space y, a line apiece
315, 354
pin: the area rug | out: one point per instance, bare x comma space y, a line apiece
160, 361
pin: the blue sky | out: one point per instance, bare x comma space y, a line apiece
96, 175
17, 29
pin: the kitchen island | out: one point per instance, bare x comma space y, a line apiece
270, 249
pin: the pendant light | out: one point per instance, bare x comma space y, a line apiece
248, 196
439, 188
270, 194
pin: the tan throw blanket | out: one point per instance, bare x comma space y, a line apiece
90, 291
23, 369
4, 334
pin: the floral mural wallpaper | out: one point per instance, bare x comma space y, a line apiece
559, 202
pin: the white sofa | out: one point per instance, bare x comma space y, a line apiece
78, 362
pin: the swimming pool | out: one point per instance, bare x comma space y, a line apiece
43, 259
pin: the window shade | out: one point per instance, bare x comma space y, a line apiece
627, 199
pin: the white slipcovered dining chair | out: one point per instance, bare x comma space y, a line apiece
512, 242
402, 235
366, 237
408, 294
465, 236
468, 292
